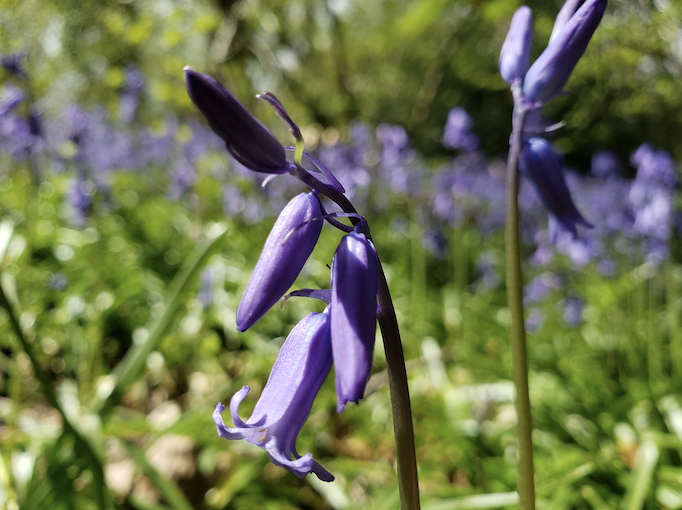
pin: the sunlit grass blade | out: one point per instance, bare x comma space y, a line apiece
334, 493
494, 500
171, 493
226, 489
642, 476
130, 366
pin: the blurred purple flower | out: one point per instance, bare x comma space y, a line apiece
534, 320
458, 133
301, 367
573, 311
605, 164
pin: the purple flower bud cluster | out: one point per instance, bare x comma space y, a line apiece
545, 78
342, 335
533, 86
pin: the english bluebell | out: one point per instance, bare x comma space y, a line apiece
301, 367
547, 76
542, 167
515, 53
251, 143
288, 246
355, 280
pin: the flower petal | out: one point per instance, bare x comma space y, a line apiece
290, 243
355, 280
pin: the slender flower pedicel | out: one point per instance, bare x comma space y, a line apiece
550, 72
290, 243
515, 52
301, 367
246, 138
354, 301
542, 166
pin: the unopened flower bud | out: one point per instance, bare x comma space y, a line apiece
245, 137
515, 53
355, 280
290, 243
550, 72
542, 166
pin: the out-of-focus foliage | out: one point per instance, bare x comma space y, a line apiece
400, 62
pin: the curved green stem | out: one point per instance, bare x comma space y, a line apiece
525, 482
406, 458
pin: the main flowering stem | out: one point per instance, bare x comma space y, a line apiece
406, 458
525, 482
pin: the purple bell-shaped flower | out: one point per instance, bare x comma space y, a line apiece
245, 137
290, 243
301, 367
542, 166
355, 280
515, 53
550, 72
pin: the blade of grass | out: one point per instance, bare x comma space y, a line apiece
641, 477
494, 500
171, 493
132, 363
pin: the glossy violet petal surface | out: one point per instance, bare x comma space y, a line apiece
355, 280
247, 139
301, 367
290, 243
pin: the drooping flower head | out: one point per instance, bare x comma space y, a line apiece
550, 72
301, 367
288, 246
515, 53
251, 143
355, 280
542, 166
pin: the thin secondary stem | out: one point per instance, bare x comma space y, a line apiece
525, 482
406, 458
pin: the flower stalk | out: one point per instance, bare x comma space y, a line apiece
517, 336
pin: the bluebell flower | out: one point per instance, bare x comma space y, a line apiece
457, 134
301, 367
355, 281
542, 167
550, 72
605, 164
14, 64
246, 138
290, 243
515, 53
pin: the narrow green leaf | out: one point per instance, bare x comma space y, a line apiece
494, 500
641, 477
